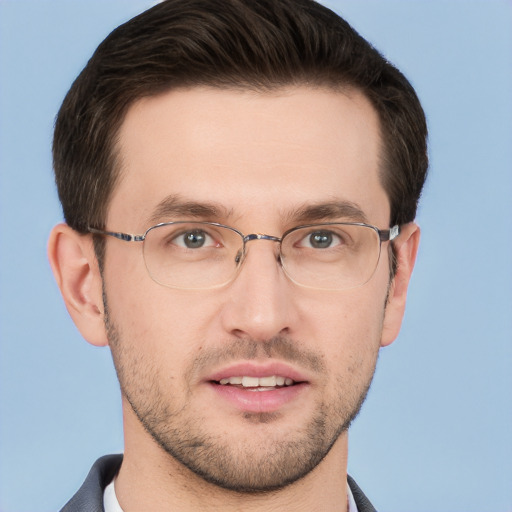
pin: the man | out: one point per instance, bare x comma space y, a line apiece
239, 181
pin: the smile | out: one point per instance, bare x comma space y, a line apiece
259, 387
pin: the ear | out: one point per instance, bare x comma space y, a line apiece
76, 271
406, 248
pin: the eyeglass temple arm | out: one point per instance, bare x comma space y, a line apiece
126, 237
389, 234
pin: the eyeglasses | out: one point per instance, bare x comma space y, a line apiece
205, 255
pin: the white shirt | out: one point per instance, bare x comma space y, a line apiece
110, 499
112, 505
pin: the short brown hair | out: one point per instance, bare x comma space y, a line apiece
240, 44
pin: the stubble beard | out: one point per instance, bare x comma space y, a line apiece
258, 463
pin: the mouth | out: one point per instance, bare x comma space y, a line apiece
270, 383
257, 388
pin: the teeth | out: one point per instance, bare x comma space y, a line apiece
250, 382
255, 382
268, 381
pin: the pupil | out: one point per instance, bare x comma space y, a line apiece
321, 240
194, 239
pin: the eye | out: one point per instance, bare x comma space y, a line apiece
194, 239
321, 239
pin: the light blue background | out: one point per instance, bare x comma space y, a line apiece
436, 432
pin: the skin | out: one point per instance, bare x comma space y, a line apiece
261, 156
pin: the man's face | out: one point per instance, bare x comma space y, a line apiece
254, 160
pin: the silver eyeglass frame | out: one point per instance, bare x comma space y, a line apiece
385, 235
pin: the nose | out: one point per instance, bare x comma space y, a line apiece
261, 302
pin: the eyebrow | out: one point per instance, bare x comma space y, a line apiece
174, 206
329, 211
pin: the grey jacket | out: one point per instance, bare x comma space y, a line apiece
89, 497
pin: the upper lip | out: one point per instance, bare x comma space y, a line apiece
254, 369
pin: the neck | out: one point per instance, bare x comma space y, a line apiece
151, 479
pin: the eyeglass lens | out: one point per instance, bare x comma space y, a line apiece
195, 255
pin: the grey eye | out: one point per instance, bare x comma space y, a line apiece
320, 239
194, 239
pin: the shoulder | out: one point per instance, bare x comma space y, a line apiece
362, 502
89, 498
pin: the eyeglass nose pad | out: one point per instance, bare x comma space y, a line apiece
239, 255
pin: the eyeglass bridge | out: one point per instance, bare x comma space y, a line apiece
260, 236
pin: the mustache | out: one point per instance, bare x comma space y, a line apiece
279, 347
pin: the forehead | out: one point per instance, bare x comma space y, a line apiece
253, 154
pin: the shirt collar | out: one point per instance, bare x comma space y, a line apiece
112, 505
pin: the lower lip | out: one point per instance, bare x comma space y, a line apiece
251, 400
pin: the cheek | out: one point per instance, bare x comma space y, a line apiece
348, 327
168, 326
352, 315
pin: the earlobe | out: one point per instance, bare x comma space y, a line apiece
406, 248
76, 271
